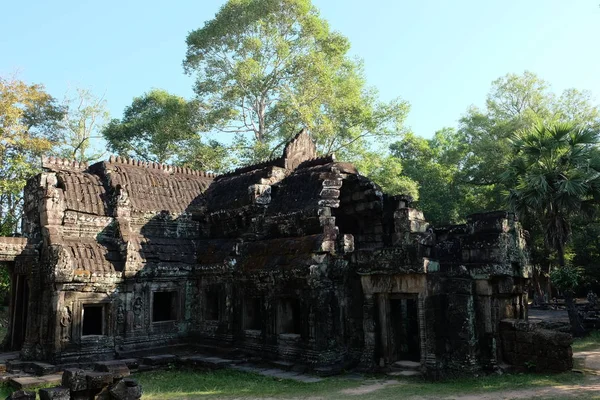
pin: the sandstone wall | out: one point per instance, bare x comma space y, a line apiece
526, 345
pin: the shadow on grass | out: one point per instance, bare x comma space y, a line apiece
589, 342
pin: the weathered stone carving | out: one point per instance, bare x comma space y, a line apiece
138, 310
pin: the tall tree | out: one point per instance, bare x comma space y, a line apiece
266, 68
162, 127
555, 176
85, 117
515, 102
30, 125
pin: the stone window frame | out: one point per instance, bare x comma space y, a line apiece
92, 299
179, 301
177, 306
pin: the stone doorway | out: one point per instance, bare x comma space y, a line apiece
18, 316
404, 321
399, 334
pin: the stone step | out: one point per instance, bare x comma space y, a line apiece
206, 362
41, 368
277, 373
404, 373
31, 367
285, 365
162, 359
407, 365
25, 382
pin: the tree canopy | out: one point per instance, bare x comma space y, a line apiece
266, 68
30, 126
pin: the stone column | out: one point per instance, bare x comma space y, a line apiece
367, 361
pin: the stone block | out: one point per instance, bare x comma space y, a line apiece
118, 370
162, 359
126, 389
74, 379
21, 395
524, 337
55, 393
98, 380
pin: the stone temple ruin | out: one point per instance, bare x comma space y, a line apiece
297, 259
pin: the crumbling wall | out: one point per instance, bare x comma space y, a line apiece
525, 345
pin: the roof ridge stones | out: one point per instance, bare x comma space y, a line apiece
173, 169
65, 164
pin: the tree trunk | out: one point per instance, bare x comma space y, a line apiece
577, 328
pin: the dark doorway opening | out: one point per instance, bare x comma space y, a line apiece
289, 317
404, 324
92, 320
212, 304
164, 306
20, 302
253, 313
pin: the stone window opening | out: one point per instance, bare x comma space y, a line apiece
93, 320
253, 314
289, 317
212, 304
164, 306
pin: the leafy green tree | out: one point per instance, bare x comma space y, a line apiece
387, 172
30, 126
153, 128
85, 117
514, 102
555, 177
162, 127
266, 68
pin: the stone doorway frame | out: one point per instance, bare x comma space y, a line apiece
377, 290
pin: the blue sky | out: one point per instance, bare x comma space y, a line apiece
441, 56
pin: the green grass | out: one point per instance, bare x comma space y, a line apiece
589, 342
233, 384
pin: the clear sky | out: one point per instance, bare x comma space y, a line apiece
439, 55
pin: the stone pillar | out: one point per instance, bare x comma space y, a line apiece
383, 306
367, 361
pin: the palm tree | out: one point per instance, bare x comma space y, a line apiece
555, 176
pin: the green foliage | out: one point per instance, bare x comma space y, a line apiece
4, 285
85, 117
566, 278
267, 68
386, 171
30, 126
154, 127
434, 165
161, 127
553, 177
515, 102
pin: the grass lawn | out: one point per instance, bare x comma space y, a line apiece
229, 384
589, 342
233, 384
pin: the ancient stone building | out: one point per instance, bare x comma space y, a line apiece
299, 258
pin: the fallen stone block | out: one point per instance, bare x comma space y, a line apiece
162, 359
74, 379
118, 370
126, 389
98, 380
32, 381
21, 395
41, 368
55, 393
